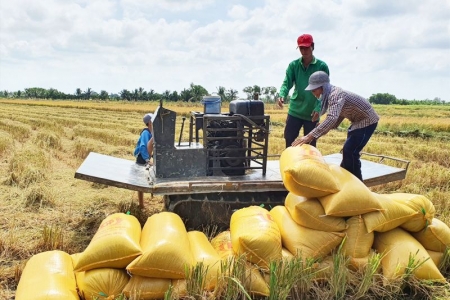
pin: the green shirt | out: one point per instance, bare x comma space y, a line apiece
302, 103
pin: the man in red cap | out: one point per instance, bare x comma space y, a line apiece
304, 108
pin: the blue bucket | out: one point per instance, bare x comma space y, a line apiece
211, 104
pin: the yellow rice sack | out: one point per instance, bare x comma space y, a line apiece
301, 241
179, 289
305, 173
435, 237
324, 269
75, 257
256, 235
165, 246
360, 264
391, 216
48, 276
358, 242
103, 283
145, 288
286, 254
436, 257
114, 245
222, 244
423, 207
310, 213
254, 282
397, 246
203, 252
353, 199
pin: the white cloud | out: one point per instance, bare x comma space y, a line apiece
238, 12
384, 46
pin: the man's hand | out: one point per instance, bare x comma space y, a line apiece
315, 116
280, 102
304, 140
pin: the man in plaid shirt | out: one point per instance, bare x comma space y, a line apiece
340, 104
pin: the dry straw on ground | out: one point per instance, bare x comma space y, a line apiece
42, 205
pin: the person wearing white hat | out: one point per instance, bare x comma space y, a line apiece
144, 147
339, 105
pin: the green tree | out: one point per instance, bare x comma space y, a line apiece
222, 93
232, 94
256, 89
174, 96
166, 95
249, 91
186, 95
87, 93
125, 95
35, 92
151, 95
78, 93
382, 98
104, 95
252, 92
197, 92
269, 93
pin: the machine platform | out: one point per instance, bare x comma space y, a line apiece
127, 174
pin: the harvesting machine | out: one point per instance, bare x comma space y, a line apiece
223, 166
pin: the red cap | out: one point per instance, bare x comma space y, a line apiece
305, 40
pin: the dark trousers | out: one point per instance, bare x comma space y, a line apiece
292, 129
140, 160
356, 140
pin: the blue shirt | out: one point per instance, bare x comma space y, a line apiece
141, 146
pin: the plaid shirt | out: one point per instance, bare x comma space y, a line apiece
342, 104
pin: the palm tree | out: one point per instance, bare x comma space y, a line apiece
186, 95
78, 93
221, 93
125, 95
151, 94
166, 95
232, 94
174, 96
87, 93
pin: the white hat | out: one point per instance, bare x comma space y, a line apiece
147, 118
316, 80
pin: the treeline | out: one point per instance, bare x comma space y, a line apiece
385, 98
193, 93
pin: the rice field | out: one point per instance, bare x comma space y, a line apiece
42, 143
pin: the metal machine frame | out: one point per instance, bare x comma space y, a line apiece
193, 179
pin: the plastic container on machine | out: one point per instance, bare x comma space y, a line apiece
211, 104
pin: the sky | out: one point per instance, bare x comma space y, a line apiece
399, 47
